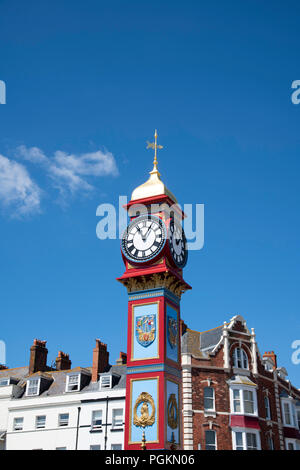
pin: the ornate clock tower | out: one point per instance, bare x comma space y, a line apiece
154, 253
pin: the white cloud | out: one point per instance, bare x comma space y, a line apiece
71, 173
64, 179
32, 154
18, 191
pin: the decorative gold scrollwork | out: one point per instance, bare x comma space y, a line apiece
172, 412
145, 419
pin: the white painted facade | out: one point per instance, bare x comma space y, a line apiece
78, 433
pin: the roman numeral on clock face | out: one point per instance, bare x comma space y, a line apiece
144, 238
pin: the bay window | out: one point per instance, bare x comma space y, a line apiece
289, 413
245, 439
243, 401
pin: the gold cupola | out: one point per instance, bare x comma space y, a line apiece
154, 185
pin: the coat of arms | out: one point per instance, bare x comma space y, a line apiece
172, 332
145, 330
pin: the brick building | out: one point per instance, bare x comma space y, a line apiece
234, 398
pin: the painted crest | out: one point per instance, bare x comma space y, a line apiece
172, 331
145, 329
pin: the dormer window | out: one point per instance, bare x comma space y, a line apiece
33, 387
105, 381
73, 383
240, 359
269, 366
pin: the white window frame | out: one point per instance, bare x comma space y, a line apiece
40, 426
291, 441
215, 434
96, 426
20, 426
120, 425
243, 358
244, 432
298, 416
213, 398
105, 381
267, 408
116, 444
292, 412
241, 389
4, 382
35, 379
62, 421
78, 376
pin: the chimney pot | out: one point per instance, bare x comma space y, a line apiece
122, 359
38, 356
63, 361
271, 355
100, 359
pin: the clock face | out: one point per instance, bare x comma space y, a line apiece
177, 244
144, 238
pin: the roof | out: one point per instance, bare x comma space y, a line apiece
241, 380
58, 385
16, 373
152, 187
199, 343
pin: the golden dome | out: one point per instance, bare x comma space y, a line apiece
154, 185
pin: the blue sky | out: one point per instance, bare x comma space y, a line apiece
87, 84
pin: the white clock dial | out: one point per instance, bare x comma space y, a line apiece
144, 238
177, 244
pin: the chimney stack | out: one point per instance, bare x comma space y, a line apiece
38, 356
271, 355
63, 361
122, 359
100, 359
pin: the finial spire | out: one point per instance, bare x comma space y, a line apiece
155, 146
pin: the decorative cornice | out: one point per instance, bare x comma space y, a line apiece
154, 281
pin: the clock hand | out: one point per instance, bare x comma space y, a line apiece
139, 230
147, 233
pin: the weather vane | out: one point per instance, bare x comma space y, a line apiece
153, 145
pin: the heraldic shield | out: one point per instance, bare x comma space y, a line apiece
145, 329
